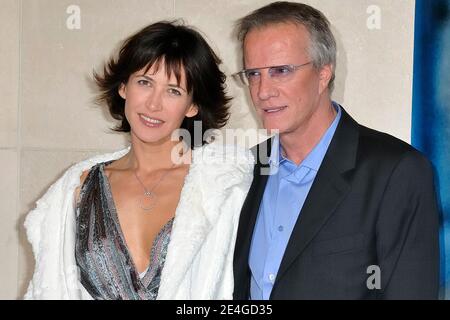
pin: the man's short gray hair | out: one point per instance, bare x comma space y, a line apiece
322, 48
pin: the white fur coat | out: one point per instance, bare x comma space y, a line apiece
199, 262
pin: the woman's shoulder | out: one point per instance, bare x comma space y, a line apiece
222, 166
71, 178
64, 187
97, 160
226, 155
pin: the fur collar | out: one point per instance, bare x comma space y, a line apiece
214, 190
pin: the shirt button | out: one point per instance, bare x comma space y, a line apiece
280, 228
272, 278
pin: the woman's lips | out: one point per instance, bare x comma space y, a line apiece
150, 121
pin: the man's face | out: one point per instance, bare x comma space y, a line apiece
290, 105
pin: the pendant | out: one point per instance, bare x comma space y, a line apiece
148, 201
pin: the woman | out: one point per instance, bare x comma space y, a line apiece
155, 220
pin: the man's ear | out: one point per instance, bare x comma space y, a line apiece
325, 74
123, 91
192, 111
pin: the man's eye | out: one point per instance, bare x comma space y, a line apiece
252, 74
280, 71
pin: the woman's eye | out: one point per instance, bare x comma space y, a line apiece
144, 82
175, 92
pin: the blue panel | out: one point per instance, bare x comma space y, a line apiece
431, 108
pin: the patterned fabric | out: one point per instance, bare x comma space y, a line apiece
107, 270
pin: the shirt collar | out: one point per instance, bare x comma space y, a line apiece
314, 159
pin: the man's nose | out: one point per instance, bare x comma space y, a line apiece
266, 88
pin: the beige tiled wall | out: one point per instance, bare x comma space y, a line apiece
9, 68
9, 239
48, 119
9, 92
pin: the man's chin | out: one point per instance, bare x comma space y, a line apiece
274, 128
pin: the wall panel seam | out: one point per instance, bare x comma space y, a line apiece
19, 144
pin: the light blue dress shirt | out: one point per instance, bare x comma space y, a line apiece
283, 199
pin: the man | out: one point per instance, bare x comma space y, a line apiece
346, 212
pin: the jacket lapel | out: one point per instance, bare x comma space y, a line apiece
190, 229
247, 222
328, 190
215, 175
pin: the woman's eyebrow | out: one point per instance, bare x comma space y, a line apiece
146, 77
176, 86
172, 85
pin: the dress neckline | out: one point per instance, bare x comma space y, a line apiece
152, 266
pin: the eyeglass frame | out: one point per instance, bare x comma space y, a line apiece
241, 75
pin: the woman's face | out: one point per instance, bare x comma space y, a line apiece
156, 105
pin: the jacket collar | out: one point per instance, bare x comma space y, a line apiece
212, 175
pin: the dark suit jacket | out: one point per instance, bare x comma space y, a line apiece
372, 203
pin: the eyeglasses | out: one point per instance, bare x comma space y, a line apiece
249, 77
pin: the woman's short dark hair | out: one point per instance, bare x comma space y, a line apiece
179, 47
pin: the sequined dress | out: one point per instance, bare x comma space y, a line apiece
106, 268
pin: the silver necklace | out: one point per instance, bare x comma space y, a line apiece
148, 200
